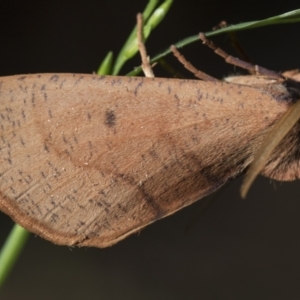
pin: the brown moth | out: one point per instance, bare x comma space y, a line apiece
89, 160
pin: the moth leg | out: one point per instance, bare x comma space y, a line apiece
199, 74
146, 67
234, 43
239, 63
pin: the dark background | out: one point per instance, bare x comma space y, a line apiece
237, 249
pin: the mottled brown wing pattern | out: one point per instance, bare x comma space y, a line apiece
88, 160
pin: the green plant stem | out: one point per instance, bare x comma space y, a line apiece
11, 250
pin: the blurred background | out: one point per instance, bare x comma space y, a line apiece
236, 249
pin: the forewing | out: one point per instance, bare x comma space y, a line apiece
88, 160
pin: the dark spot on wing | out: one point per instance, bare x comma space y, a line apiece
110, 118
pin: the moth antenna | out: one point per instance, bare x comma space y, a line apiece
146, 67
199, 74
238, 62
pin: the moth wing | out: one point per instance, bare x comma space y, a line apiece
88, 160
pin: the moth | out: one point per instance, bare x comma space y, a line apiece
87, 160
